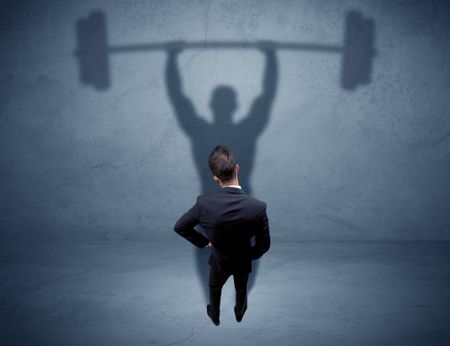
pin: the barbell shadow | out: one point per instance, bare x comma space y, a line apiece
357, 49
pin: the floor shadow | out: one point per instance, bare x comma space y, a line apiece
241, 137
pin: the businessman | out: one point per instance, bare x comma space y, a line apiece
230, 219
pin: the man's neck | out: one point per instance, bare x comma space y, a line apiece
228, 183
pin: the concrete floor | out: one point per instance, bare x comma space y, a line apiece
142, 293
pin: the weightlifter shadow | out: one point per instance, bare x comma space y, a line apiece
241, 137
93, 55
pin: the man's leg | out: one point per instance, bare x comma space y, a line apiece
216, 282
240, 284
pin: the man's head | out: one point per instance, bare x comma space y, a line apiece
223, 103
222, 164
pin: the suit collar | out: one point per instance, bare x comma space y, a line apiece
232, 189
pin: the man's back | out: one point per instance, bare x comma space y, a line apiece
230, 218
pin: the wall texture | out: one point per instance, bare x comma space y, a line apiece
332, 164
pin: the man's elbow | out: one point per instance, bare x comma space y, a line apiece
267, 244
258, 251
177, 228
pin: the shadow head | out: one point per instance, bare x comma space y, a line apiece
223, 103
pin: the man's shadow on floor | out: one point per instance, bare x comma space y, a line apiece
241, 137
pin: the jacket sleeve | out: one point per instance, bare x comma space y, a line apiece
185, 227
262, 237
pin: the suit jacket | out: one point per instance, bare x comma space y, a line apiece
230, 219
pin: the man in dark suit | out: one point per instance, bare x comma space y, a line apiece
230, 218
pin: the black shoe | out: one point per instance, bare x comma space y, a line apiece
240, 315
210, 314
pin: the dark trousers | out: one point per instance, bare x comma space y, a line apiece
216, 282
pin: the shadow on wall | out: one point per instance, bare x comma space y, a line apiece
93, 51
240, 137
358, 51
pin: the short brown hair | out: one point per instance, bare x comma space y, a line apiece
222, 164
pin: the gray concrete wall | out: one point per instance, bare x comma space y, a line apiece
331, 163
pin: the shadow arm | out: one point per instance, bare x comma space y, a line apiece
259, 114
183, 107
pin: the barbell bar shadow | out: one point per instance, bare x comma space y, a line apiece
357, 50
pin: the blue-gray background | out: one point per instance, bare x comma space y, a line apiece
332, 164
